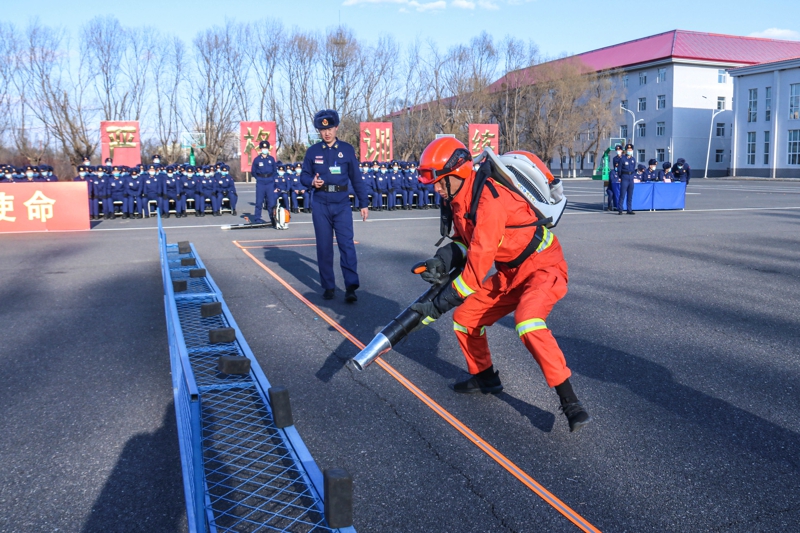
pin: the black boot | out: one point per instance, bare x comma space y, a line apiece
487, 381
350, 294
233, 212
328, 294
571, 407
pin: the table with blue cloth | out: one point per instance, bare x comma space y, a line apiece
655, 196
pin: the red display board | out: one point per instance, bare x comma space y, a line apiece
483, 135
252, 133
375, 141
120, 141
56, 206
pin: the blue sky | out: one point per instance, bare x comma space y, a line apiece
565, 26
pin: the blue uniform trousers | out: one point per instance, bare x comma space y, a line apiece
265, 190
331, 217
128, 205
94, 206
180, 205
625, 190
165, 202
231, 196
144, 203
284, 198
295, 203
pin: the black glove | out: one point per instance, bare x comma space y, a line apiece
435, 272
429, 314
447, 300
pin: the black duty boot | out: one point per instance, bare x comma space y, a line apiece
328, 294
233, 212
350, 294
484, 382
576, 415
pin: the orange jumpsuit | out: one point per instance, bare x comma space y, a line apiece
530, 290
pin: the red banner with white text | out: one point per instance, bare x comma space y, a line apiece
120, 141
56, 206
250, 135
483, 135
375, 141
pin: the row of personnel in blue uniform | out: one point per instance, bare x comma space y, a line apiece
36, 173
135, 192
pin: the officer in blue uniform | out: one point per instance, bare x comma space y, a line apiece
151, 190
226, 188
188, 189
395, 186
263, 170
297, 188
85, 177
327, 167
281, 188
116, 189
381, 187
131, 191
206, 188
613, 179
650, 173
682, 171
627, 169
666, 172
171, 190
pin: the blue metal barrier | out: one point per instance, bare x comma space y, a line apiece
240, 471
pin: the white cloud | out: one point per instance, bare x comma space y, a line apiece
463, 4
488, 4
778, 33
419, 6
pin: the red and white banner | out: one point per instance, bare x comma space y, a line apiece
56, 206
120, 141
250, 135
375, 141
483, 135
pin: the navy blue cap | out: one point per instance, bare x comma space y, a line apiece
652, 162
681, 161
264, 144
327, 118
618, 147
666, 165
629, 146
641, 167
224, 167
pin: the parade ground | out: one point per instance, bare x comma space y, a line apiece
681, 329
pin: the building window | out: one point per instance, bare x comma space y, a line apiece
766, 148
660, 155
751, 148
624, 104
752, 105
768, 103
719, 155
720, 129
643, 78
642, 104
722, 76
661, 101
625, 81
720, 103
640, 129
640, 157
794, 101
662, 75
591, 159
794, 147
623, 131
660, 127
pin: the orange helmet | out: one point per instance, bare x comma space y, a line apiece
446, 156
538, 163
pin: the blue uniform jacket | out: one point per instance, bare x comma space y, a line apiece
133, 186
171, 186
627, 166
207, 185
410, 181
263, 167
665, 175
323, 160
682, 174
381, 182
151, 187
613, 172
188, 185
650, 175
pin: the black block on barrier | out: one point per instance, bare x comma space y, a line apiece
281, 407
221, 335
184, 248
188, 262
179, 285
197, 273
211, 309
233, 364
338, 498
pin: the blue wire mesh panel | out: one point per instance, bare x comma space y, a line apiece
252, 479
193, 285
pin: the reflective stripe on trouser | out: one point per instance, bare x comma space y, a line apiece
531, 303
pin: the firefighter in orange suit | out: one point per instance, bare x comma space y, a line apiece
507, 232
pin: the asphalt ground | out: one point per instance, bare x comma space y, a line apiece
681, 329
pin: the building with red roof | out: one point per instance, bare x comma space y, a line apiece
677, 92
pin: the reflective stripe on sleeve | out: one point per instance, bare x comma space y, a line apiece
547, 240
526, 326
462, 288
428, 320
462, 247
459, 327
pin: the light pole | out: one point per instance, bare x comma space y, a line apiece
635, 122
710, 132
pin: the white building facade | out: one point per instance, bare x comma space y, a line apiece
766, 141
